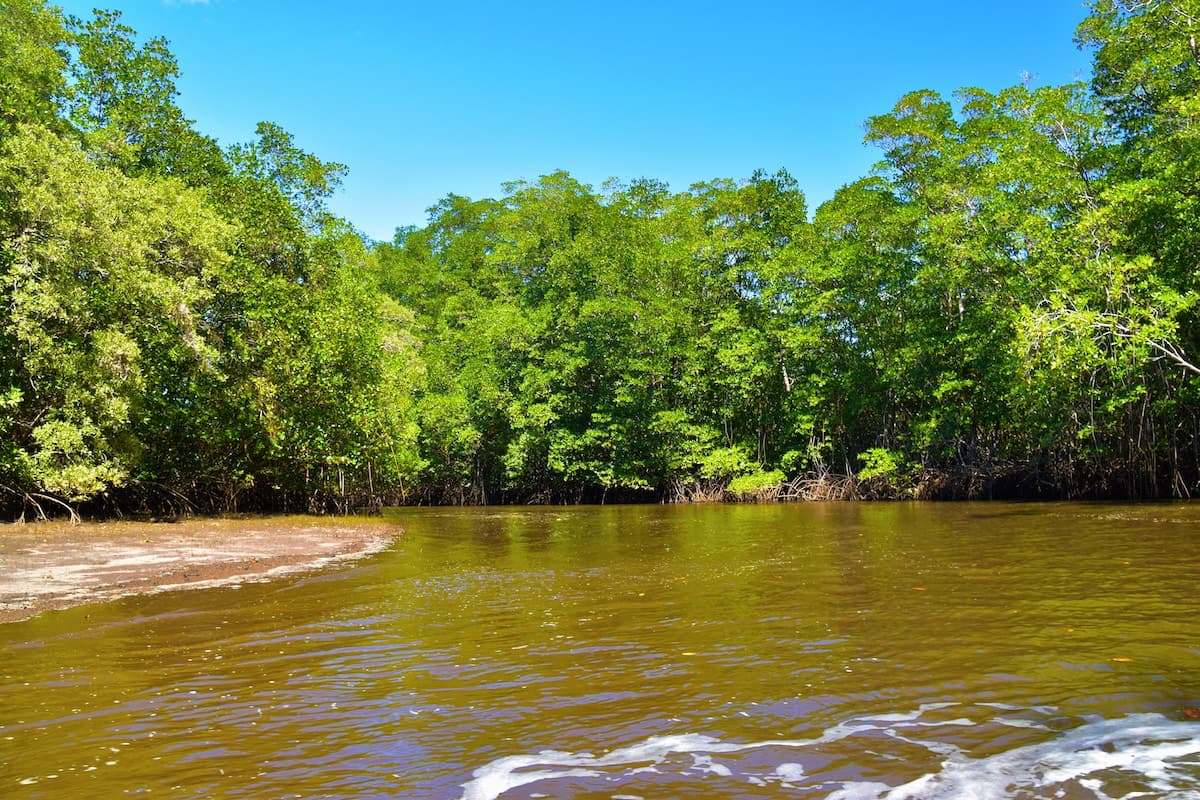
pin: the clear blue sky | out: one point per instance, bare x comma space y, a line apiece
424, 99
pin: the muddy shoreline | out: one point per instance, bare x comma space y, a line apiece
54, 565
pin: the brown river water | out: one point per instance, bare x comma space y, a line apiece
832, 651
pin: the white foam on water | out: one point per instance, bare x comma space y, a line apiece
789, 772
1160, 754
705, 763
494, 782
862, 790
656, 748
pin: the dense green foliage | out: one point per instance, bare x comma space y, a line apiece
182, 326
1008, 305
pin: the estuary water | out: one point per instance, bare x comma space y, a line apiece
774, 651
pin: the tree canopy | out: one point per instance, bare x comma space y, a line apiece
1006, 306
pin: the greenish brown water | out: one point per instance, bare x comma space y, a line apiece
844, 650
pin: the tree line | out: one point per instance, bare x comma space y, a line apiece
1006, 306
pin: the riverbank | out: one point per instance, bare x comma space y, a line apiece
55, 565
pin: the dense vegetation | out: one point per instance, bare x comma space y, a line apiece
1007, 306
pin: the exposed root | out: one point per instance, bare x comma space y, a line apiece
822, 487
710, 491
28, 500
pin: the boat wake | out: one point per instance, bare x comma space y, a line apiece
890, 756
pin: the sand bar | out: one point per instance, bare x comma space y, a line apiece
55, 565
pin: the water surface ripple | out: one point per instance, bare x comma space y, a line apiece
831, 651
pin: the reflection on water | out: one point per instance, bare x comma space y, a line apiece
843, 650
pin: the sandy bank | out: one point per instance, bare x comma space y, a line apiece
56, 565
